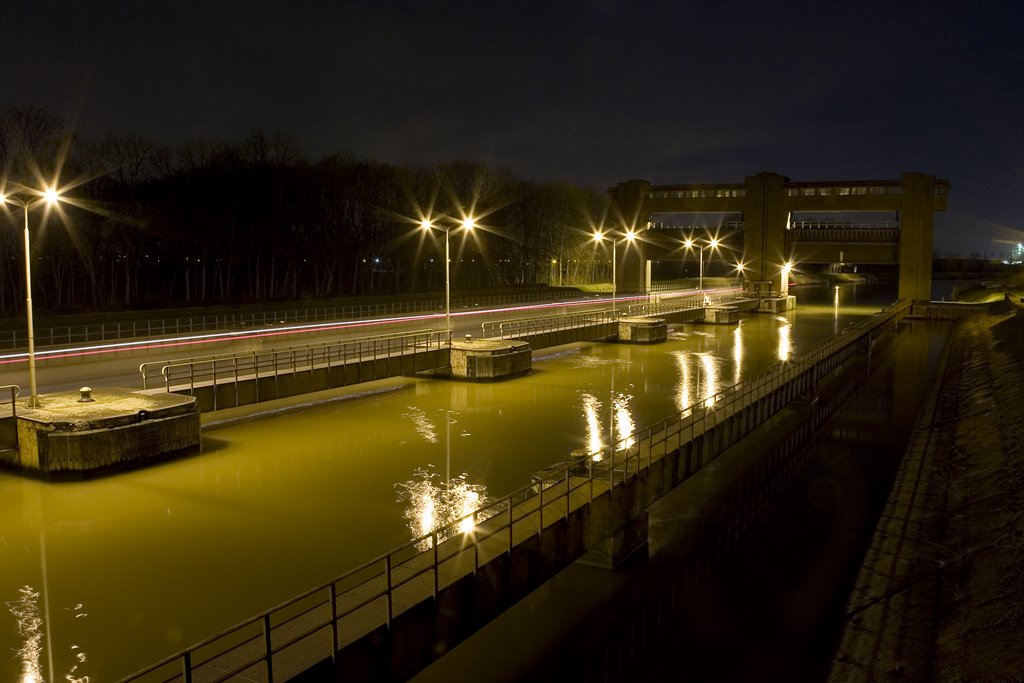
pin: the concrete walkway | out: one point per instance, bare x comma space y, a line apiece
940, 596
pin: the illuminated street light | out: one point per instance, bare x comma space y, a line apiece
48, 196
787, 268
630, 236
701, 244
467, 223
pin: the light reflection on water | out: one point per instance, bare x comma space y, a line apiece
436, 504
30, 629
181, 550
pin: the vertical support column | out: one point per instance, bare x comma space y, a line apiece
628, 200
765, 219
917, 219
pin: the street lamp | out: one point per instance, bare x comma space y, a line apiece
467, 223
630, 236
49, 196
701, 244
787, 268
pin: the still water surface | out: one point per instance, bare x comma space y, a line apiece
128, 569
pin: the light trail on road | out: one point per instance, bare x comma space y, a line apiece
241, 335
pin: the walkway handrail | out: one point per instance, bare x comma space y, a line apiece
507, 329
272, 362
380, 577
15, 392
301, 350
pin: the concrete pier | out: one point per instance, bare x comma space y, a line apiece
489, 359
643, 330
722, 315
72, 436
779, 304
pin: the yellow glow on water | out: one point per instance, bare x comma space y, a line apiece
707, 362
624, 424
439, 506
683, 391
737, 354
30, 627
785, 341
592, 416
423, 425
470, 502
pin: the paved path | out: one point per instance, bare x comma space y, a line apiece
940, 596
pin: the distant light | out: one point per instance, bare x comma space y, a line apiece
713, 243
688, 244
51, 196
468, 223
425, 224
631, 235
598, 235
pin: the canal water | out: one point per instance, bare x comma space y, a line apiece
106, 576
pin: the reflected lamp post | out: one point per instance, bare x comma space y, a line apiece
629, 237
467, 223
49, 197
701, 244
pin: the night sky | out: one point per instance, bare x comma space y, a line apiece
590, 93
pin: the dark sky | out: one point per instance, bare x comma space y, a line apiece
591, 93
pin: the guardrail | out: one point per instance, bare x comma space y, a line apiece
311, 627
879, 235
80, 334
231, 367
519, 327
15, 391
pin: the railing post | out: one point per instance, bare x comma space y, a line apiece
387, 573
268, 648
437, 569
186, 667
334, 622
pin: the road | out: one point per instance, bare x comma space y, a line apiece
111, 364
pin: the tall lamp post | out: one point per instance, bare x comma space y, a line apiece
467, 223
701, 245
630, 236
48, 196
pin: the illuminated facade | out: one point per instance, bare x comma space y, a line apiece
767, 202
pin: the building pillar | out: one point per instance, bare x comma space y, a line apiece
917, 218
765, 219
629, 212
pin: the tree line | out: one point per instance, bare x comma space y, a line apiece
144, 225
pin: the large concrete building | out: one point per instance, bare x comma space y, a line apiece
767, 203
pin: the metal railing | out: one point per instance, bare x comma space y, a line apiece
881, 235
520, 327
97, 332
15, 391
303, 631
232, 367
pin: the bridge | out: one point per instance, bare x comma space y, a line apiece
229, 380
771, 236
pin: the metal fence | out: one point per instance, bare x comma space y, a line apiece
9, 417
232, 367
15, 391
305, 630
880, 235
520, 327
96, 332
